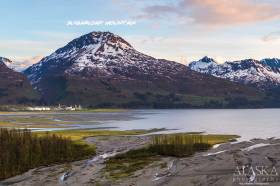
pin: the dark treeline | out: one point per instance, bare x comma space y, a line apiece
21, 150
179, 145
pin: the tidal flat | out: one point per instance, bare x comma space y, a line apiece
247, 123
146, 147
120, 160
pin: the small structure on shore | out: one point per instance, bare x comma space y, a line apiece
69, 108
38, 108
58, 108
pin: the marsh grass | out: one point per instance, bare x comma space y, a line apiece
79, 135
124, 165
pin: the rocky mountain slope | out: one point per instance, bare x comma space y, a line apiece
102, 69
14, 86
264, 74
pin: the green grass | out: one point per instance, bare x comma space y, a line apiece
7, 124
78, 135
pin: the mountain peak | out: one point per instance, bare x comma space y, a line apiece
109, 37
5, 61
96, 40
203, 64
207, 59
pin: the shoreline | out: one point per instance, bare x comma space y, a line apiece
115, 110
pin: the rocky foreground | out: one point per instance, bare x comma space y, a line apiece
254, 162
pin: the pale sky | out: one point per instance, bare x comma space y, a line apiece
179, 30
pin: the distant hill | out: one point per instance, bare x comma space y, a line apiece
14, 86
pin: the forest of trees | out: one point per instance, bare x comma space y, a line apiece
179, 145
21, 150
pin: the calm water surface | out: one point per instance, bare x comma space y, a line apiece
248, 123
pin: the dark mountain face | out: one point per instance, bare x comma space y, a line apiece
273, 64
264, 74
14, 86
102, 69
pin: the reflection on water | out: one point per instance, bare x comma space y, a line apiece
248, 123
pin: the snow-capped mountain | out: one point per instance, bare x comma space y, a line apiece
101, 54
103, 68
14, 86
263, 74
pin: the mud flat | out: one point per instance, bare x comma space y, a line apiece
220, 166
84, 172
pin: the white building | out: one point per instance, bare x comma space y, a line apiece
38, 108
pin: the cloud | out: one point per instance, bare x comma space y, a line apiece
187, 48
157, 11
56, 35
24, 63
23, 51
271, 36
215, 12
